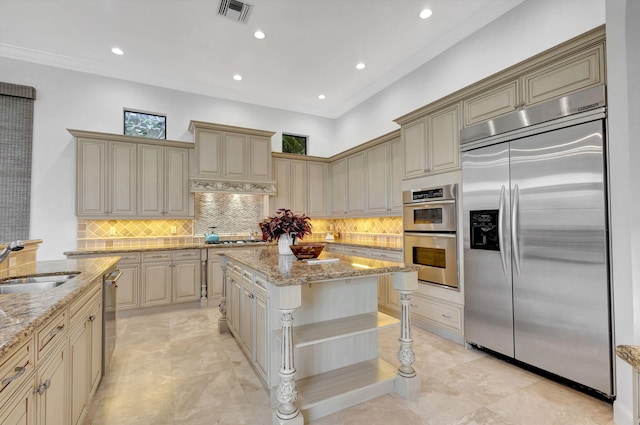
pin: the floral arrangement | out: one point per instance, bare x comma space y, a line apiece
285, 222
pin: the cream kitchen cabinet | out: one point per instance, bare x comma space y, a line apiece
129, 282
85, 352
292, 185
318, 186
554, 77
163, 175
106, 180
170, 277
231, 153
51, 389
17, 401
130, 177
348, 185
384, 178
214, 278
302, 185
431, 144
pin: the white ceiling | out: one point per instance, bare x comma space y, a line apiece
311, 47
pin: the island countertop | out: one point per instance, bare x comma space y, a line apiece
285, 270
22, 313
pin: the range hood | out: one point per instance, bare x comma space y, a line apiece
230, 186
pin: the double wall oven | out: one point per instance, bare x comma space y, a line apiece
430, 240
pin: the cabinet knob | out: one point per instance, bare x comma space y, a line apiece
92, 317
251, 296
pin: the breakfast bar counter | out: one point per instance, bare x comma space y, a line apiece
334, 305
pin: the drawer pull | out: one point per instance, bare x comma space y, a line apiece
446, 316
20, 370
156, 256
57, 330
92, 317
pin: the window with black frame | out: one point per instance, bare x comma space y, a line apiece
293, 143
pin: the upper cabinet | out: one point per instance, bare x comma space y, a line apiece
227, 154
301, 185
431, 143
130, 177
384, 174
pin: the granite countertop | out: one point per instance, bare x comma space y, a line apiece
630, 354
202, 245
22, 313
284, 270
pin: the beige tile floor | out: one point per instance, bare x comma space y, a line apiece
175, 369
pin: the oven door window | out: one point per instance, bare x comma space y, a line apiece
427, 216
432, 257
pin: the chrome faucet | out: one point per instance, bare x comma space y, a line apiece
11, 246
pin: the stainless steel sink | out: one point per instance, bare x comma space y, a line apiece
34, 283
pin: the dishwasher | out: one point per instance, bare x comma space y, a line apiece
109, 317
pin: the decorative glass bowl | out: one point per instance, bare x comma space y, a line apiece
305, 251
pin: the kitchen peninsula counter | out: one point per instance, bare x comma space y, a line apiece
22, 313
334, 306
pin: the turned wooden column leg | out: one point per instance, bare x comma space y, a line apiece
222, 307
287, 392
406, 355
204, 294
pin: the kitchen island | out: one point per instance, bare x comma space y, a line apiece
334, 341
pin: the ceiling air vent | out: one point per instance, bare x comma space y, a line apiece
234, 9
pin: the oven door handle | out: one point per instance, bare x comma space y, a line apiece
501, 230
431, 234
431, 204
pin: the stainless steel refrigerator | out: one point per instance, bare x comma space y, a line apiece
536, 274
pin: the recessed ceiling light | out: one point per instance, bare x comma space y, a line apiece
322, 97
259, 35
117, 51
237, 77
360, 65
425, 13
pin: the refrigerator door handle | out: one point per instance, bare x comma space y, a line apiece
514, 228
500, 230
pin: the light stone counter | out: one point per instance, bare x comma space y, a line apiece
22, 313
285, 270
630, 354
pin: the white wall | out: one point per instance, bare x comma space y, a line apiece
623, 67
67, 99
526, 30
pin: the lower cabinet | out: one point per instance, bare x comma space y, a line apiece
129, 282
214, 278
248, 314
51, 389
20, 409
170, 277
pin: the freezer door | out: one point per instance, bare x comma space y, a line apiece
487, 248
560, 272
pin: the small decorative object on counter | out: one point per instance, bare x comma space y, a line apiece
211, 237
285, 227
306, 250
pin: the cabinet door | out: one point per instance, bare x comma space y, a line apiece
578, 71
318, 184
51, 387
92, 188
208, 153
236, 156
80, 357
214, 279
122, 179
444, 139
260, 153
246, 318
491, 103
414, 146
395, 195
95, 324
299, 187
355, 187
236, 290
156, 283
151, 178
21, 409
128, 287
339, 187
282, 172
176, 190
186, 281
261, 332
378, 178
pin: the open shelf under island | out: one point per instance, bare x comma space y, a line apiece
323, 315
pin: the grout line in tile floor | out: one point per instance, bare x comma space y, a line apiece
175, 369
